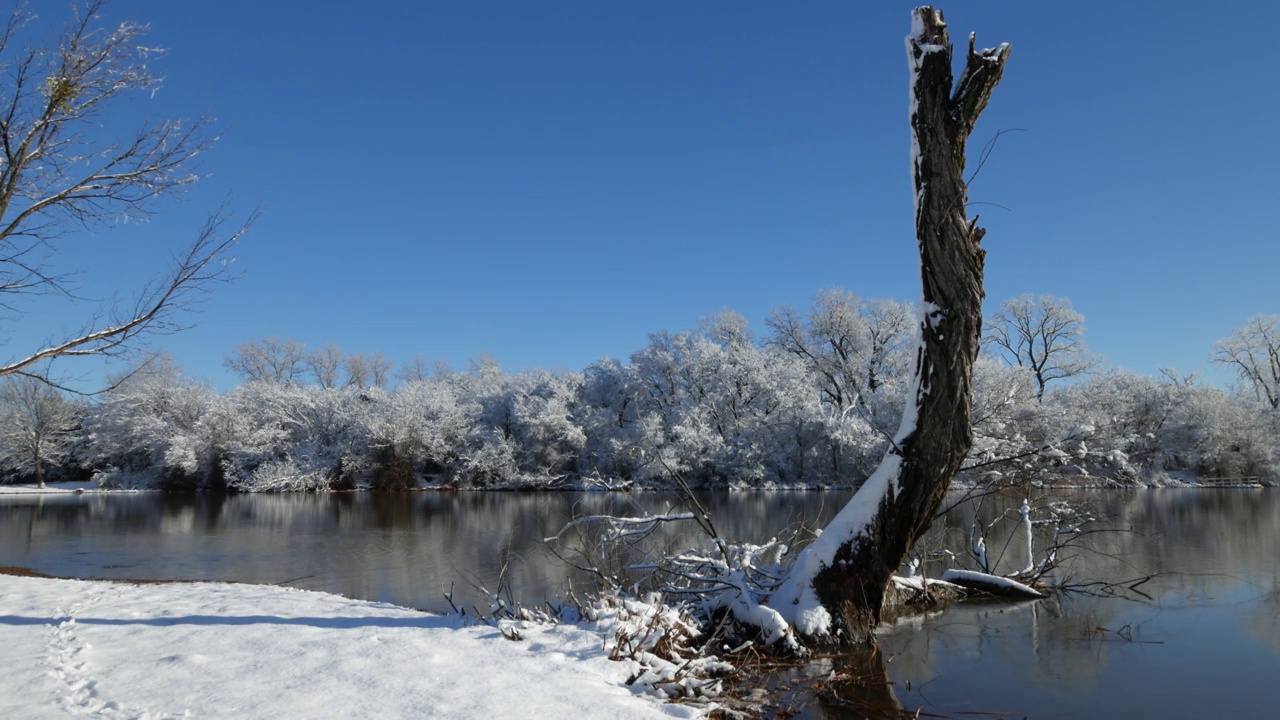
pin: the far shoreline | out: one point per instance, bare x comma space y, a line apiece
1064, 483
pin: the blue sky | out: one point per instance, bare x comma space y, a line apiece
550, 182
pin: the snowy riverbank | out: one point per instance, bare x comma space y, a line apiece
249, 651
54, 488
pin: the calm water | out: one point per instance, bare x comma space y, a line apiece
1206, 645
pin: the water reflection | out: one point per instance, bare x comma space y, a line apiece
406, 548
1207, 645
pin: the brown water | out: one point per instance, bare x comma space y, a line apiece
1206, 645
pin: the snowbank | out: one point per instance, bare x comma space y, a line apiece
50, 488
246, 651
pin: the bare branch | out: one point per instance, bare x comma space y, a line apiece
60, 172
206, 260
1042, 333
1253, 352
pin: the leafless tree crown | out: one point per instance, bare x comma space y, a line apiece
1042, 333
1253, 352
60, 172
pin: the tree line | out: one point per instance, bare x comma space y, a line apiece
811, 402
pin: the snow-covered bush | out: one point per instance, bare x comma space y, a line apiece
296, 437
155, 421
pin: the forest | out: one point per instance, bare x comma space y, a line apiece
808, 403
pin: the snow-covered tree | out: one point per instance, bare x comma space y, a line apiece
717, 408
416, 369
154, 422
1211, 433
325, 365
1043, 334
427, 426
619, 433
298, 437
1252, 351
37, 426
853, 347
368, 370
380, 370
270, 359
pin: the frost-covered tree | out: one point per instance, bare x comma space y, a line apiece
1121, 427
853, 347
424, 431
37, 426
154, 422
718, 409
1212, 434
380, 370
150, 429
299, 437
325, 365
270, 359
547, 437
368, 370
1043, 334
63, 170
521, 429
416, 369
1252, 351
619, 433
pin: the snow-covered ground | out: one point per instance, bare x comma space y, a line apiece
120, 650
50, 488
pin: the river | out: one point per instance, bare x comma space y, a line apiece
1204, 643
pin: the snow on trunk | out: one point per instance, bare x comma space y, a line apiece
1024, 522
836, 586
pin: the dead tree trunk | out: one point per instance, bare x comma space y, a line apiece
837, 585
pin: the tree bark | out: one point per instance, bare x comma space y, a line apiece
837, 585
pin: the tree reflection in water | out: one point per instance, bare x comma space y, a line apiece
1212, 631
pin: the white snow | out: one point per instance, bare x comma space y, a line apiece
980, 551
795, 600
919, 582
211, 650
1025, 521
50, 488
961, 576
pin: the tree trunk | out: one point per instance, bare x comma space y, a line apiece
837, 585
35, 451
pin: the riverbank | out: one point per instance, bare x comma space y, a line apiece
55, 488
1083, 482
219, 650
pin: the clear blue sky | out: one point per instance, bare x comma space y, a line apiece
549, 182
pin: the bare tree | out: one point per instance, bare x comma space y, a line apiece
416, 370
836, 586
1042, 333
60, 172
36, 424
325, 365
380, 369
1253, 352
269, 359
357, 370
